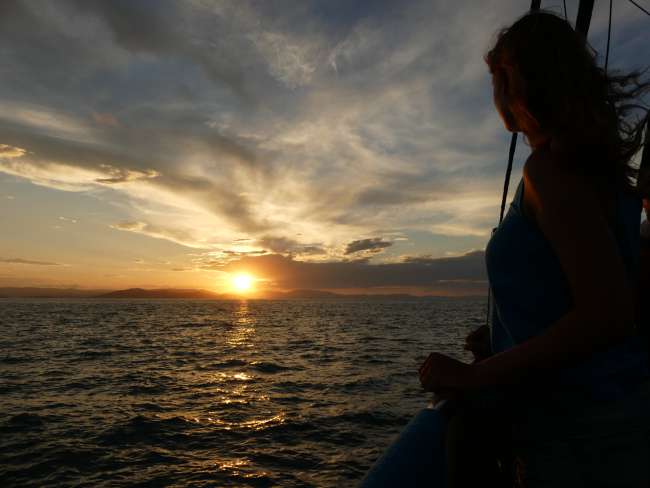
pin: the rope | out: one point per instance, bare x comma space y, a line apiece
609, 32
506, 183
639, 7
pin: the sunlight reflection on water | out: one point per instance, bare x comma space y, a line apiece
243, 329
204, 393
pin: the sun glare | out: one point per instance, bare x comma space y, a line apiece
242, 282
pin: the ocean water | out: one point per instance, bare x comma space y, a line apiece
213, 393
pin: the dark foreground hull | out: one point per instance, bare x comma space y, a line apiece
416, 458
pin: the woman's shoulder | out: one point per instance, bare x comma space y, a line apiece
547, 171
550, 184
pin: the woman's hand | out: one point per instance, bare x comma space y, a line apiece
440, 372
478, 343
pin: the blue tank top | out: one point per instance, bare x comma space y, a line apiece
530, 292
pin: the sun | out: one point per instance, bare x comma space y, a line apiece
242, 282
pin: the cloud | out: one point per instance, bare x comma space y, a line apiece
246, 128
105, 119
283, 245
7, 151
283, 272
290, 62
345, 102
27, 261
121, 175
181, 237
374, 244
164, 29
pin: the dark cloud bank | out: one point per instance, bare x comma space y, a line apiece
462, 275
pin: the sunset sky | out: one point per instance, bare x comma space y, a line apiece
339, 144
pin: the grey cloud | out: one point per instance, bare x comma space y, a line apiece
223, 199
7, 151
387, 196
121, 175
374, 244
384, 115
51, 149
220, 199
27, 261
286, 272
429, 261
156, 27
283, 245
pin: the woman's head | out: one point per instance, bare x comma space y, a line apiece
547, 85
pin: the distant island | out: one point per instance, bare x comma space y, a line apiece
161, 293
191, 294
33, 292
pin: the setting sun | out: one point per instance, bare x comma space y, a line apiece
242, 282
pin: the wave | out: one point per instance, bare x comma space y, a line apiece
269, 367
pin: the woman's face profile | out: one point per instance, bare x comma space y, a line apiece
501, 105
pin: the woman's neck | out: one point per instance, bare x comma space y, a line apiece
537, 140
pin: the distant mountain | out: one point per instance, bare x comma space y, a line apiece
189, 294
302, 294
161, 293
320, 294
32, 292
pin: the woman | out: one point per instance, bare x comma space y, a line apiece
566, 361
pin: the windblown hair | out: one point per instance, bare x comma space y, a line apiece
548, 77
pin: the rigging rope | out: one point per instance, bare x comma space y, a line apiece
639, 7
609, 32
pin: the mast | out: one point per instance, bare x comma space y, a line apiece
584, 16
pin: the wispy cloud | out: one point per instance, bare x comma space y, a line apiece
321, 132
169, 233
27, 261
7, 151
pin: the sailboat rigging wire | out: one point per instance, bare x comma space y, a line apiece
564, 4
609, 33
506, 183
639, 7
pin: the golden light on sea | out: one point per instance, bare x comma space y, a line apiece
242, 282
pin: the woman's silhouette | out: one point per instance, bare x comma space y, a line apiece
565, 361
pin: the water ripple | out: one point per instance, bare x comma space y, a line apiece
201, 393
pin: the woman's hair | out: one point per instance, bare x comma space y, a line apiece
547, 76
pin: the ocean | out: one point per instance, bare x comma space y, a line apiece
289, 393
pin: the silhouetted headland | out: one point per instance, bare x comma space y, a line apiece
194, 294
